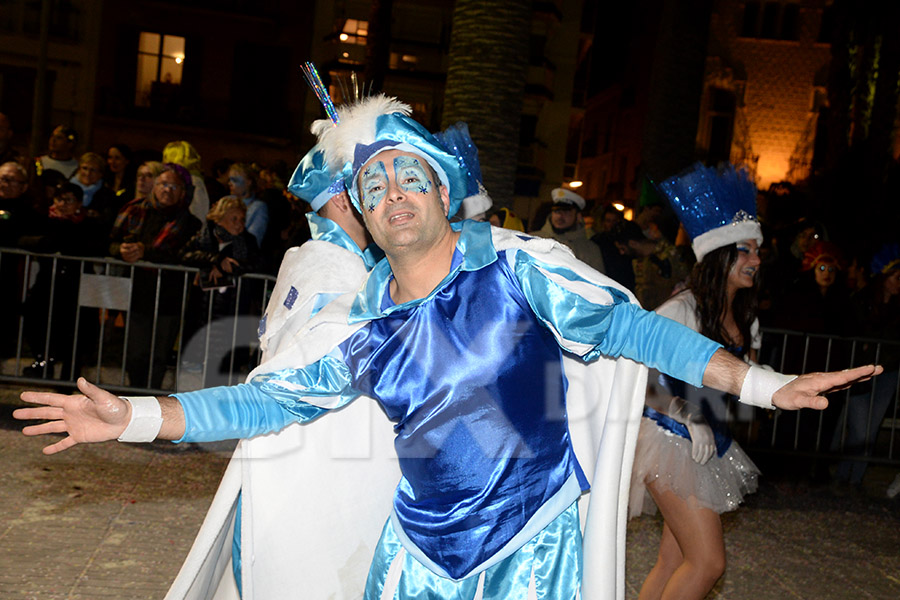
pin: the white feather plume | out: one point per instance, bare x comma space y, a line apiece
356, 126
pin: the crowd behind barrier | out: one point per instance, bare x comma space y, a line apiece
92, 319
89, 325
148, 273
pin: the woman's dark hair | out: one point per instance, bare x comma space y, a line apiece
708, 283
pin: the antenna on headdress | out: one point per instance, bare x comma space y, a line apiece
315, 82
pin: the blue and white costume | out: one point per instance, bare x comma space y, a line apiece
498, 429
310, 276
663, 453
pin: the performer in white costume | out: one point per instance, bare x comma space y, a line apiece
464, 336
335, 261
686, 462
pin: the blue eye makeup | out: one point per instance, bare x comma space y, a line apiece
743, 249
411, 175
374, 185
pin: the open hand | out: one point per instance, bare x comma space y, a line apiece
95, 415
807, 391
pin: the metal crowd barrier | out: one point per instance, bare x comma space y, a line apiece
101, 317
131, 327
861, 423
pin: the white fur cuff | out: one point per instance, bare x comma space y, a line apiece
760, 385
146, 420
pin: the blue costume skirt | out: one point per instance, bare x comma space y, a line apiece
547, 567
663, 457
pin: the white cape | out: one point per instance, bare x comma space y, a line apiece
316, 495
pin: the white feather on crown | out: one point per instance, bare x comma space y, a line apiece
356, 126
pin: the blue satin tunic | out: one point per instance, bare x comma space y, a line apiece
478, 409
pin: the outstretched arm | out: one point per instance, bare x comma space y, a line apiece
94, 415
727, 373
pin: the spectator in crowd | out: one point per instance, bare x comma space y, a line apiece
792, 244
242, 182
223, 250
7, 152
609, 216
857, 273
661, 271
686, 463
271, 190
44, 189
16, 218
100, 203
120, 176
64, 230
503, 217
146, 176
154, 229
817, 303
217, 183
623, 244
16, 212
184, 154
60, 153
566, 225
876, 316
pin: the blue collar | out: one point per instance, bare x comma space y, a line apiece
474, 250
326, 230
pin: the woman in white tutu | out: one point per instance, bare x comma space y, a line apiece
686, 463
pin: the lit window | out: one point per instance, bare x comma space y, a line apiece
160, 60
354, 32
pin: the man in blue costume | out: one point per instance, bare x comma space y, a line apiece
464, 337
274, 472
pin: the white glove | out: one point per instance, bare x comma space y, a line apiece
703, 442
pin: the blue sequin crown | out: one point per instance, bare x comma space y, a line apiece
717, 206
705, 198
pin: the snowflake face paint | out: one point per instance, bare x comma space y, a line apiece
411, 175
374, 185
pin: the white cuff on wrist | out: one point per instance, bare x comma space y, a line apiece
146, 420
760, 385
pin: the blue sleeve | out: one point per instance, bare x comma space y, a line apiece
268, 403
590, 319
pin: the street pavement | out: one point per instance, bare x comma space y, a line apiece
113, 520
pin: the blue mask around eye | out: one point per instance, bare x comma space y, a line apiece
374, 185
411, 175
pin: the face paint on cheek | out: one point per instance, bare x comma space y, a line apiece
374, 185
411, 176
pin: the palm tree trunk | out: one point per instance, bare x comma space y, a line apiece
486, 84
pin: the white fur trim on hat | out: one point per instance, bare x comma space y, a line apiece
732, 233
475, 205
564, 196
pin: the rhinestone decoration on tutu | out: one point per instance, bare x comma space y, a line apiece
665, 458
716, 206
